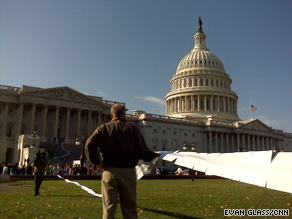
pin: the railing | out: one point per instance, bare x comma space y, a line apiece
155, 116
10, 88
109, 102
221, 123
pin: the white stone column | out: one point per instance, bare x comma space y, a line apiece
243, 141
192, 103
79, 124
218, 103
227, 143
44, 129
173, 105
238, 141
232, 143
199, 103
99, 119
224, 104
210, 143
67, 132
216, 142
258, 143
32, 121
20, 118
263, 145
253, 143
267, 143
205, 102
222, 146
4, 127
211, 104
89, 131
248, 143
56, 125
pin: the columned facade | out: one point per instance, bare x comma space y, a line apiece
57, 115
219, 142
61, 129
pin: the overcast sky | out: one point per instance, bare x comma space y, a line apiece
128, 51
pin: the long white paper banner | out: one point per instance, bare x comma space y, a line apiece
141, 169
261, 168
90, 191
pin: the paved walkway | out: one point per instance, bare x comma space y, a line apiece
4, 188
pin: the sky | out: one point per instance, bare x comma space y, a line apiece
128, 51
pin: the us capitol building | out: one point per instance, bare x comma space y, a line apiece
201, 113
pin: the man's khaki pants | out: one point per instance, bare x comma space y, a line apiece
120, 182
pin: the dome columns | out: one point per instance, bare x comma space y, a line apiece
190, 103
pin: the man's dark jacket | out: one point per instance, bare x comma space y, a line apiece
117, 144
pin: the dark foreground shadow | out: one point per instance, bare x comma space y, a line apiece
170, 214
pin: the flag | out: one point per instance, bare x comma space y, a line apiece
253, 108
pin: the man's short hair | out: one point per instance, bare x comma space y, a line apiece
118, 110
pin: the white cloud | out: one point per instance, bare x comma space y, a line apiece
101, 93
152, 99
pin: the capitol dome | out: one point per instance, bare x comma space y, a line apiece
201, 89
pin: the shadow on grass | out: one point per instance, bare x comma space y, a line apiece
68, 196
170, 214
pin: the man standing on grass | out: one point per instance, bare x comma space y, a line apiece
39, 165
116, 147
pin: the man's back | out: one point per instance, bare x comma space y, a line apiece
120, 145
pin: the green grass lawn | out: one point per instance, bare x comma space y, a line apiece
203, 198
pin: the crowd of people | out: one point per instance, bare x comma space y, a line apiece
70, 169
13, 169
51, 169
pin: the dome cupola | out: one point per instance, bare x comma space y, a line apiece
201, 89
